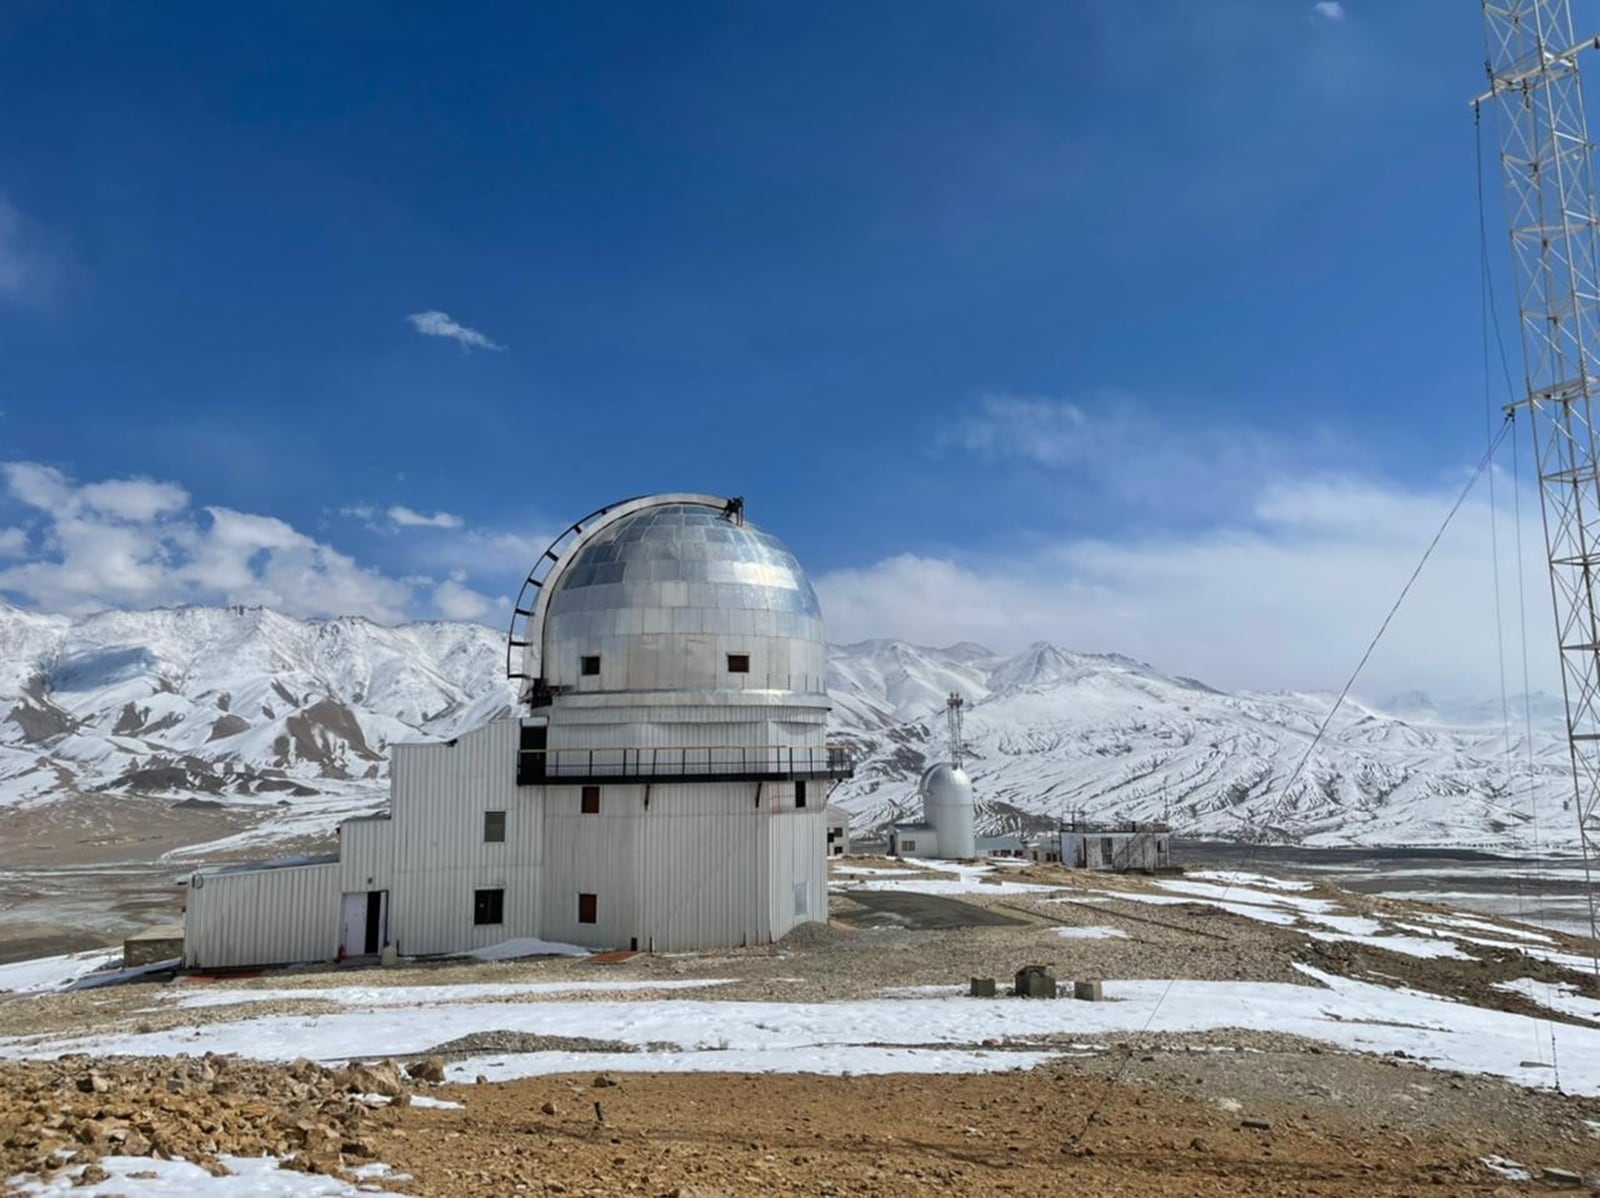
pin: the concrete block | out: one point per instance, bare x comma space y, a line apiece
982, 988
153, 944
1087, 991
1035, 981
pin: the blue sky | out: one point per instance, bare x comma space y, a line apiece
1125, 326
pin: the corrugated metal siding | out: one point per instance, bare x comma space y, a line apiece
262, 917
593, 854
703, 867
441, 858
689, 872
366, 855
799, 862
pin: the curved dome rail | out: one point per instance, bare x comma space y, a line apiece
528, 596
522, 632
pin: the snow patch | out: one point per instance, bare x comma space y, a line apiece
1090, 933
252, 1177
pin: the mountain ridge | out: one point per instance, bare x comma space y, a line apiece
248, 706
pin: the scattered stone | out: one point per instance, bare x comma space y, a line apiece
429, 1069
1563, 1177
94, 1083
1256, 1124
548, 1108
602, 1080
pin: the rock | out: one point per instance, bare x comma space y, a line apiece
1564, 1177
94, 1083
604, 1079
429, 1069
549, 1108
93, 1174
1256, 1124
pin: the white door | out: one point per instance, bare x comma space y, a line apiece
353, 924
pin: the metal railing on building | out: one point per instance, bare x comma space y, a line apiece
684, 763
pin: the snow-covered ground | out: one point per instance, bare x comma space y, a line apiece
53, 973
902, 1034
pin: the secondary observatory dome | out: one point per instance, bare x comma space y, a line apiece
947, 804
946, 783
680, 595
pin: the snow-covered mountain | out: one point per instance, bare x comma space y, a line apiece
243, 705
250, 707
1051, 733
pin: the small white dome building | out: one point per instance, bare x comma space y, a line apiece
947, 805
948, 825
663, 787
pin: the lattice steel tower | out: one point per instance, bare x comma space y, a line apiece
1548, 162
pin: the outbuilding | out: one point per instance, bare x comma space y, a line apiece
1122, 848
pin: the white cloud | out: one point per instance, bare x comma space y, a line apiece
456, 601
1330, 10
135, 499
1286, 596
404, 517
439, 324
137, 542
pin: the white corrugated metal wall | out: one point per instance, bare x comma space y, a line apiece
262, 917
441, 859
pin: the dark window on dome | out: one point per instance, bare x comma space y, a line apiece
591, 800
738, 663
489, 906
494, 827
589, 664
588, 908
800, 793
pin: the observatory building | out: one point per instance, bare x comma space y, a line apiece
946, 828
662, 787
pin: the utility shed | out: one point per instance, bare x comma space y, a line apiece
838, 822
664, 786
1119, 848
914, 840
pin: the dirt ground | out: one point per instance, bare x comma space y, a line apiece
994, 1134
1065, 1126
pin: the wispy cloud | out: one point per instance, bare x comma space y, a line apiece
439, 324
1329, 10
404, 517
1121, 447
1286, 598
30, 270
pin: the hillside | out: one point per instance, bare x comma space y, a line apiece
294, 718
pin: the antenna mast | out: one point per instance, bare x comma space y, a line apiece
1548, 162
952, 714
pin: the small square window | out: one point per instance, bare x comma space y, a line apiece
908, 846
738, 663
489, 907
800, 793
588, 908
494, 827
589, 665
591, 801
